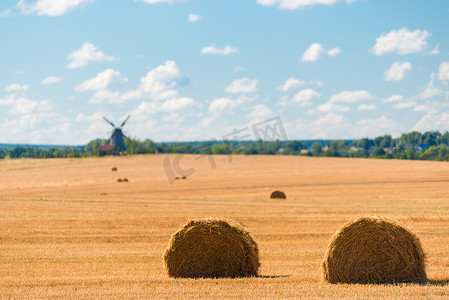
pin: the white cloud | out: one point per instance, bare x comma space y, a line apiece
194, 18
306, 95
108, 96
101, 81
334, 52
332, 107
403, 105
313, 53
397, 71
177, 104
393, 98
434, 51
87, 53
239, 68
443, 72
329, 119
290, 84
159, 1
217, 51
376, 127
158, 83
22, 106
259, 111
15, 87
362, 107
430, 91
316, 50
5, 13
221, 104
351, 96
421, 107
51, 79
51, 8
295, 4
242, 85
433, 120
402, 41
317, 82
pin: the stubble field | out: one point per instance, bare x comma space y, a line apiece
70, 230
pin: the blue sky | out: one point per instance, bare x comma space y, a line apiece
198, 69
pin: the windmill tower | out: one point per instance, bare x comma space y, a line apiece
117, 135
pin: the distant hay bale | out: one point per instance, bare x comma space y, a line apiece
184, 177
119, 180
211, 248
176, 178
125, 180
278, 195
114, 169
374, 250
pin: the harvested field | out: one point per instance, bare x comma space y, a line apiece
69, 230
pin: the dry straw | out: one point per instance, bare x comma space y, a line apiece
278, 195
211, 248
374, 250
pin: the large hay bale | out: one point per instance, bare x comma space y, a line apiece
211, 248
278, 195
374, 250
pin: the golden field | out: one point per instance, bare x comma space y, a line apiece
70, 230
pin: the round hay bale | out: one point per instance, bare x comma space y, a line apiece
119, 180
278, 195
184, 177
374, 250
114, 169
211, 248
125, 179
177, 178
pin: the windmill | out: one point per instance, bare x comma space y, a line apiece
117, 135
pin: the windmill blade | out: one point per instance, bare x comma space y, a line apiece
124, 122
113, 125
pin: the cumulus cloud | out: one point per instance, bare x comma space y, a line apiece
51, 79
87, 53
158, 83
51, 8
397, 71
194, 18
101, 81
431, 90
393, 98
219, 51
402, 41
15, 87
316, 50
159, 1
332, 107
351, 96
295, 4
443, 72
304, 96
433, 120
259, 111
243, 85
290, 83
221, 104
362, 107
404, 105
434, 51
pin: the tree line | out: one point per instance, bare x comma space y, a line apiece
414, 145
